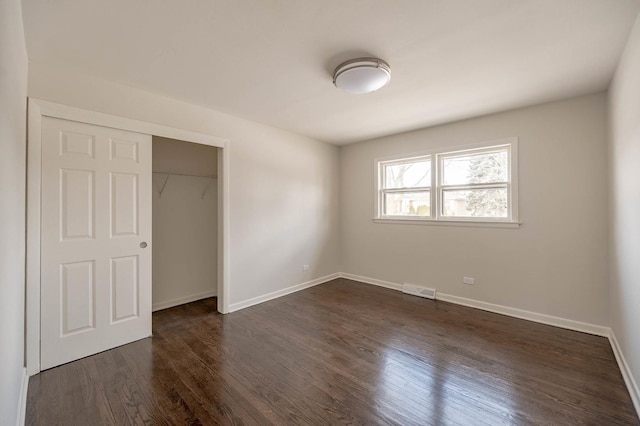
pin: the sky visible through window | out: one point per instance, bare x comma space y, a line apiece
408, 175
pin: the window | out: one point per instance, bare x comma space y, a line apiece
466, 185
406, 187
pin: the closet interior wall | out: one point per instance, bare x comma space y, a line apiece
185, 258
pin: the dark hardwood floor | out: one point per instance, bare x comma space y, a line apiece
340, 353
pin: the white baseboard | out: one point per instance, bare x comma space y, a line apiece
274, 295
629, 380
367, 280
584, 327
22, 402
182, 300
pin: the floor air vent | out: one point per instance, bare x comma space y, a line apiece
429, 293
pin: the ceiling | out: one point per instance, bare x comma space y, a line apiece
271, 61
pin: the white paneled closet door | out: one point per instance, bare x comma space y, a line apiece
96, 238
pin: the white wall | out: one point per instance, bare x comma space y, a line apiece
624, 154
284, 193
185, 229
13, 96
554, 264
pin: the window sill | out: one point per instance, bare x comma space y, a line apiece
463, 223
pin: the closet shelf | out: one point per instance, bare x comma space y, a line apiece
185, 174
169, 174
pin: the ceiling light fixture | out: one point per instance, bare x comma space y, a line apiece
362, 75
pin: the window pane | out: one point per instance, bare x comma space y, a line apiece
490, 202
488, 167
408, 175
408, 204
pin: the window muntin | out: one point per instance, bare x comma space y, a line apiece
464, 185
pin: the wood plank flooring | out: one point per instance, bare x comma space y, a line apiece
340, 353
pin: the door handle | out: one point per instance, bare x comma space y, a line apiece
143, 245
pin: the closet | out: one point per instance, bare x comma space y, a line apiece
185, 224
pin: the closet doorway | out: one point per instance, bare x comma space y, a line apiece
92, 284
185, 222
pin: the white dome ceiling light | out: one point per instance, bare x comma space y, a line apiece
362, 75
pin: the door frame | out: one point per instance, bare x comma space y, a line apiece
37, 109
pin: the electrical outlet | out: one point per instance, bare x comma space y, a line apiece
468, 280
305, 267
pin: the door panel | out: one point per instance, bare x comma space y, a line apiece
124, 202
96, 212
124, 288
77, 303
76, 204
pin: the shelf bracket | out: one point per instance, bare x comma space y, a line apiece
164, 185
207, 188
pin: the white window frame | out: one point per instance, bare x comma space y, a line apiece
384, 191
437, 156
